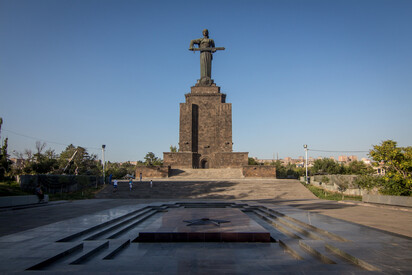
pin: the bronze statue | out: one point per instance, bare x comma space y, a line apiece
206, 48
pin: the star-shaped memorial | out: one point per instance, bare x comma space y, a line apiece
204, 221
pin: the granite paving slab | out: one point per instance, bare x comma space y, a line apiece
357, 249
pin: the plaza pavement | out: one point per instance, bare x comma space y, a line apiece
309, 236
286, 192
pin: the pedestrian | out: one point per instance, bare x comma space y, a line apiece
151, 183
110, 178
114, 185
39, 193
141, 177
130, 184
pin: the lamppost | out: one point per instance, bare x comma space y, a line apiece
306, 162
104, 178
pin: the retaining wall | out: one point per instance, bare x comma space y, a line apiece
10, 201
152, 171
334, 181
259, 171
58, 183
391, 200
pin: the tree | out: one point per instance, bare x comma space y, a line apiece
151, 159
173, 149
252, 161
114, 169
326, 166
358, 168
397, 162
5, 163
287, 171
76, 160
118, 170
38, 163
39, 148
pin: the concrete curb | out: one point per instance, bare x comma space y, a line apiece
12, 201
406, 209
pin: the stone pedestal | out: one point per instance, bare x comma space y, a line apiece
205, 136
203, 225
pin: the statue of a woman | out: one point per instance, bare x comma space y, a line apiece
205, 56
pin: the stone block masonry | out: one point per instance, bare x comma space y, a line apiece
259, 171
152, 171
180, 159
205, 135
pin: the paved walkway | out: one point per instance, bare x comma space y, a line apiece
395, 221
108, 241
384, 217
274, 191
239, 189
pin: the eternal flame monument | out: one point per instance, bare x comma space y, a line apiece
205, 135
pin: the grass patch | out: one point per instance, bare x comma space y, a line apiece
328, 195
11, 188
87, 193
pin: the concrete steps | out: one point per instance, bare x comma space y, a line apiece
244, 189
225, 173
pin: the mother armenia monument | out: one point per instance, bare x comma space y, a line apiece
205, 135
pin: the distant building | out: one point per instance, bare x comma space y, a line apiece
366, 161
353, 158
343, 159
265, 161
379, 170
346, 159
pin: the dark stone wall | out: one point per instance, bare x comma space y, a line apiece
230, 160
205, 133
179, 159
58, 183
259, 171
185, 130
205, 124
152, 171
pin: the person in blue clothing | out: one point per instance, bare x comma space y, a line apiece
110, 179
130, 184
114, 185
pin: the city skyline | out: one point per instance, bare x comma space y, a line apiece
331, 74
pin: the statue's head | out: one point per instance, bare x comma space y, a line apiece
206, 33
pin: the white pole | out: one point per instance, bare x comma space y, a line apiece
104, 178
306, 162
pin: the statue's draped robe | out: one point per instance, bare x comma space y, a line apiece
205, 56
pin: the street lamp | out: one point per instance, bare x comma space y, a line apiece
306, 162
104, 178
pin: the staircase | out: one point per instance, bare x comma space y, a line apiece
225, 173
244, 189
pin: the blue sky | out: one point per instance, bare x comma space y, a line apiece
336, 75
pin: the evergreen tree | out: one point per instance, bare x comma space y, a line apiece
5, 163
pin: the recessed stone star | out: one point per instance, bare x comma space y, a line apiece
204, 221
